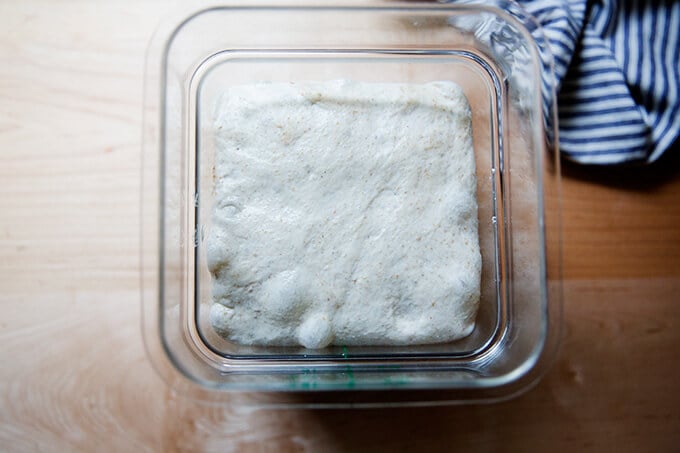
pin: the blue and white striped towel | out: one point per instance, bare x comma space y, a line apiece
617, 65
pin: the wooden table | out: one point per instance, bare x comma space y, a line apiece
73, 372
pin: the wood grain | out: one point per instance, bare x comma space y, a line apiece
73, 372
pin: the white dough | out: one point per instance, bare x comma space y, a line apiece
345, 213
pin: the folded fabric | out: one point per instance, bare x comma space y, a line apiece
617, 67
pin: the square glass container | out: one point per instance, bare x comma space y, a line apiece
496, 53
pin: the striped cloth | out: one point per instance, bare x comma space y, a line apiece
617, 69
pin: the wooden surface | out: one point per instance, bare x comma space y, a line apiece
73, 372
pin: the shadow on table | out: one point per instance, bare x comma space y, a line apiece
481, 427
629, 177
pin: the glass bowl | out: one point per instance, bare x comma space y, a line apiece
495, 53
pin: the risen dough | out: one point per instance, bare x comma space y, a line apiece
345, 213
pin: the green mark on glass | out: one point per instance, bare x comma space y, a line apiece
350, 377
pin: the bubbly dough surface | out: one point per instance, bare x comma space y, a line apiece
345, 213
